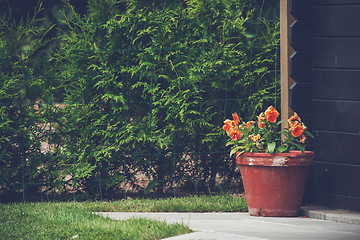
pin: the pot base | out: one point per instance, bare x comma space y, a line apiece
259, 212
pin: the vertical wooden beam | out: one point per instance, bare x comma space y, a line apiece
284, 61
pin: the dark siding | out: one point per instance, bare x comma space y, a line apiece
336, 84
333, 178
337, 20
300, 62
335, 2
336, 52
335, 175
337, 116
331, 146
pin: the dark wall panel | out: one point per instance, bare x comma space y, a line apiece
335, 174
326, 2
336, 53
300, 9
300, 67
336, 84
336, 21
336, 179
337, 201
300, 36
338, 116
300, 97
337, 147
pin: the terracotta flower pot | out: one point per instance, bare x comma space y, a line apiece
274, 184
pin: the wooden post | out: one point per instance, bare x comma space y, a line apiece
284, 61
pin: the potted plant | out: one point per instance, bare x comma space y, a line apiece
273, 163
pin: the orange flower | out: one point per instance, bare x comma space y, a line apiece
302, 138
297, 129
235, 134
261, 119
293, 119
249, 124
254, 138
236, 119
271, 114
228, 125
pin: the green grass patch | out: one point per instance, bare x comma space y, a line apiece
75, 220
71, 220
221, 203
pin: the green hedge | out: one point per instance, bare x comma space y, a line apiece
133, 87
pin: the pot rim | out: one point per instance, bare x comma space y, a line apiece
290, 159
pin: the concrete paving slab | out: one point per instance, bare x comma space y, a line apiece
336, 215
221, 226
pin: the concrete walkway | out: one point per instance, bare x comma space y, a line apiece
228, 226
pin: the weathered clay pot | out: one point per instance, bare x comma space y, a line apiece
274, 184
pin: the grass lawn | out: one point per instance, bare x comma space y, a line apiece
222, 203
74, 220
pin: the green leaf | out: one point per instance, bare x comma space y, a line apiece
279, 122
230, 143
281, 148
236, 149
240, 153
301, 148
271, 147
307, 133
232, 152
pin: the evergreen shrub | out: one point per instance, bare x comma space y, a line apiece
137, 92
